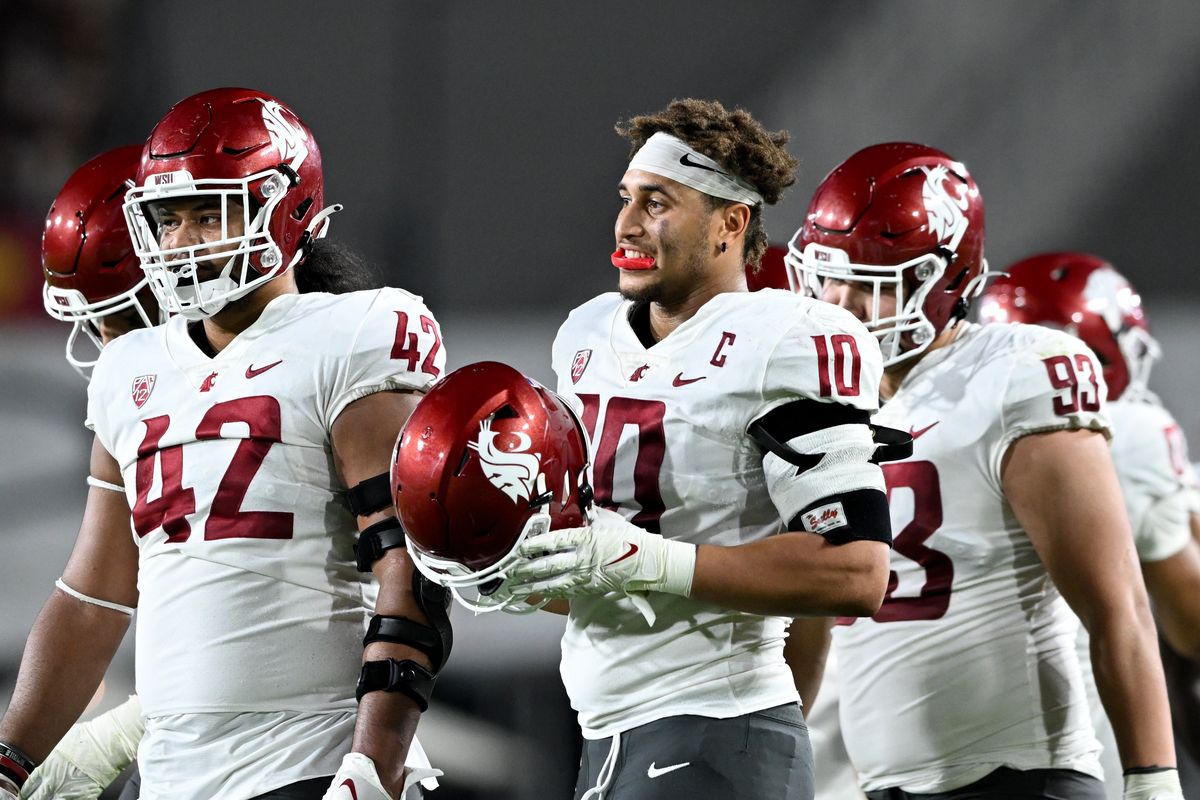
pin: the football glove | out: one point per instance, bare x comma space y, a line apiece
609, 555
1161, 784
89, 757
357, 779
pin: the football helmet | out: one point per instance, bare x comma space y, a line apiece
1085, 296
87, 258
899, 217
487, 458
243, 148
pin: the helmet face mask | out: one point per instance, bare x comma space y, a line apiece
461, 579
198, 280
902, 334
88, 263
85, 341
261, 168
907, 221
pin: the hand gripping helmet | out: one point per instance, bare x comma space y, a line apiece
487, 458
1086, 297
242, 148
87, 258
899, 217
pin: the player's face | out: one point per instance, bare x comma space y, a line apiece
191, 221
668, 223
858, 298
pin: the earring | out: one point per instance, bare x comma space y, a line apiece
723, 246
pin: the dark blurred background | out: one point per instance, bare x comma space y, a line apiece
472, 145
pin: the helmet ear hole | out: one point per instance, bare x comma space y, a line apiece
302, 209
505, 412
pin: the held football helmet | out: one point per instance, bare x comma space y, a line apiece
242, 148
87, 258
488, 458
1085, 296
899, 217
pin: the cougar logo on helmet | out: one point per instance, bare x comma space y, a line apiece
945, 212
1109, 295
514, 471
287, 138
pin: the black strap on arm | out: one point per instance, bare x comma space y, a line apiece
434, 601
373, 494
892, 444
408, 632
799, 417
774, 429
848, 517
406, 677
377, 540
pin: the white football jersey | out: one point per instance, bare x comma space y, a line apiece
1150, 455
970, 663
670, 451
250, 598
834, 777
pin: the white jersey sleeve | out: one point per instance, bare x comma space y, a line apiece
1055, 383
397, 347
828, 356
1150, 454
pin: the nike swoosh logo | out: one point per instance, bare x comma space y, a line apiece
633, 548
348, 783
251, 372
655, 772
687, 161
918, 434
682, 381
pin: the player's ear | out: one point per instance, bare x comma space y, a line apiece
735, 219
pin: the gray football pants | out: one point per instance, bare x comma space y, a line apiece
761, 755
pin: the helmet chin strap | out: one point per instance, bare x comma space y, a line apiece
310, 237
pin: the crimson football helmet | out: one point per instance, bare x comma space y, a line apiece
771, 273
233, 145
87, 258
1085, 296
488, 458
899, 217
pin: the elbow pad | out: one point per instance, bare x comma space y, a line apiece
836, 491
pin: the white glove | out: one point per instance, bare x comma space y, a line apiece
609, 555
89, 757
357, 779
1162, 785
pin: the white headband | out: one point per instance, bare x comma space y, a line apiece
664, 154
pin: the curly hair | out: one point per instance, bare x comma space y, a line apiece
735, 140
